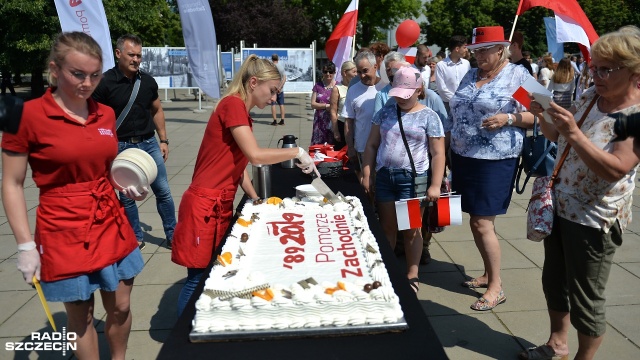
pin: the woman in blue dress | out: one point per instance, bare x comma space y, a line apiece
487, 131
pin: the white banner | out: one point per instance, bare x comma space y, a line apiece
88, 16
200, 40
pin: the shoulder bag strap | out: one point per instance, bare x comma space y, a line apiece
132, 98
568, 147
406, 144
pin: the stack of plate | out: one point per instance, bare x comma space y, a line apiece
133, 167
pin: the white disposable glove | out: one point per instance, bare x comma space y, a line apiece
132, 193
306, 162
29, 261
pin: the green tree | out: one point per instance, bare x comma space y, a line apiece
26, 33
153, 20
28, 28
269, 23
374, 17
459, 17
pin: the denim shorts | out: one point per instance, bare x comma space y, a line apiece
395, 184
81, 287
279, 99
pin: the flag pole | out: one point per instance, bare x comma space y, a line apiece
513, 28
353, 46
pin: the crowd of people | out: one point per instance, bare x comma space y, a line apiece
408, 128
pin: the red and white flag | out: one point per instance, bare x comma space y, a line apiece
409, 53
408, 214
572, 24
339, 44
530, 86
449, 210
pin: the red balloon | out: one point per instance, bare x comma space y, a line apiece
407, 33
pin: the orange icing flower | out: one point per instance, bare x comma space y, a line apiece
225, 259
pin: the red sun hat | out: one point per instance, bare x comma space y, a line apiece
487, 36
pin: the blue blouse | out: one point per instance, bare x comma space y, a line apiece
470, 106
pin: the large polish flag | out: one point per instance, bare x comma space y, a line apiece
87, 16
339, 44
200, 40
572, 24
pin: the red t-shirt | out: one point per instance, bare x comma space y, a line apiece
62, 150
80, 225
220, 161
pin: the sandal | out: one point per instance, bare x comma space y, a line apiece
474, 284
542, 352
483, 304
414, 284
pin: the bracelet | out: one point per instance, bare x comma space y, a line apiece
28, 246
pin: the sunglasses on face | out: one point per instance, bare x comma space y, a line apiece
328, 72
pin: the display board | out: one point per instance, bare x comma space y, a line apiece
298, 65
227, 65
169, 66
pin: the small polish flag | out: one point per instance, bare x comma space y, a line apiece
530, 86
408, 214
409, 53
449, 210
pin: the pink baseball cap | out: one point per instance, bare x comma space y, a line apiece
405, 82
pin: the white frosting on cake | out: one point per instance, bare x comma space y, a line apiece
309, 260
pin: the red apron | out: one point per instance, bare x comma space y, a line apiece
81, 228
203, 219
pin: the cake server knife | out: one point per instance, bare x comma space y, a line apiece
323, 189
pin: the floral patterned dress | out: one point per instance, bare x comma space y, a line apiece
322, 132
581, 195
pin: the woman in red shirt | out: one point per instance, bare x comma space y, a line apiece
228, 146
83, 241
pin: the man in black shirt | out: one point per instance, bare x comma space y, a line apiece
516, 51
137, 130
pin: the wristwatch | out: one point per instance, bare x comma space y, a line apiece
509, 119
165, 141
